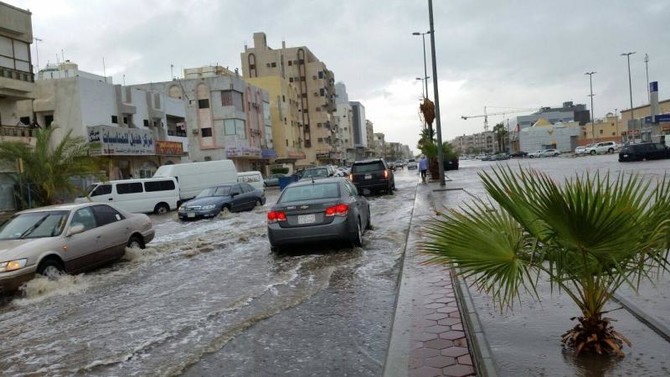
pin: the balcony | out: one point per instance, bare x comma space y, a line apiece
23, 134
16, 85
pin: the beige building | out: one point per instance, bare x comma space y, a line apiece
653, 130
611, 128
370, 135
315, 87
286, 122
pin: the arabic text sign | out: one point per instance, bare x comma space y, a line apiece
121, 141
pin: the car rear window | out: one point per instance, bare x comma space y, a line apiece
368, 167
310, 192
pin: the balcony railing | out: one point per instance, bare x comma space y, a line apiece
17, 131
16, 75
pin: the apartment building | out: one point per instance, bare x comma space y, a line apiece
316, 89
370, 135
137, 130
226, 117
286, 136
359, 130
16, 88
343, 119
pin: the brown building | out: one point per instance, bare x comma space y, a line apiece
316, 93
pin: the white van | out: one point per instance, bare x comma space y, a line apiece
254, 178
194, 177
136, 195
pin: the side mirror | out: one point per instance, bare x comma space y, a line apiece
76, 229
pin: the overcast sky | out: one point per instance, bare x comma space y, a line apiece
505, 55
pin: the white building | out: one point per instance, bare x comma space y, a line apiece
544, 135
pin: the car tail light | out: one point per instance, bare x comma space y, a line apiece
274, 216
351, 177
337, 210
386, 174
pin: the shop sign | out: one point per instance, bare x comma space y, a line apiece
253, 152
118, 141
296, 155
268, 153
323, 156
169, 148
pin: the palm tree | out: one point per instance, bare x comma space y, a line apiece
47, 171
501, 134
588, 237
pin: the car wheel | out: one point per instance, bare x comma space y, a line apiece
258, 203
531, 156
135, 242
358, 237
610, 150
50, 268
593, 153
161, 208
368, 226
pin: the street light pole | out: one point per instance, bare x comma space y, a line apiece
425, 65
440, 151
593, 134
630, 89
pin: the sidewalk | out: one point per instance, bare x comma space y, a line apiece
434, 333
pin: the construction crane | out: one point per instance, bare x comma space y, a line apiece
487, 115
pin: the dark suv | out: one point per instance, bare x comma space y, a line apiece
372, 176
644, 151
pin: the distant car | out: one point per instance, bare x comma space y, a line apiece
602, 147
535, 154
373, 175
211, 201
520, 154
322, 210
317, 173
68, 238
544, 153
643, 151
581, 150
411, 164
273, 180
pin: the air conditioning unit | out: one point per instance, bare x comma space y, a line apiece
196, 131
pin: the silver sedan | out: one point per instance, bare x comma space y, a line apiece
67, 238
320, 210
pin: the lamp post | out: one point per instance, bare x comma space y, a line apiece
630, 88
593, 134
425, 66
440, 151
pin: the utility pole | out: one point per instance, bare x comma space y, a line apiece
593, 134
37, 54
630, 89
646, 69
440, 151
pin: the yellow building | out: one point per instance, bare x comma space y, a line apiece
286, 123
640, 112
609, 129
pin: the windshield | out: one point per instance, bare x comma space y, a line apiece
309, 192
214, 191
34, 225
309, 173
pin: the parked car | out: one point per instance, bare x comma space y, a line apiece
143, 195
544, 153
602, 147
273, 180
254, 178
194, 177
211, 201
319, 172
643, 151
581, 150
322, 210
411, 164
520, 154
372, 176
68, 238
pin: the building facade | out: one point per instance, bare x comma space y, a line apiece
316, 90
226, 117
343, 119
359, 130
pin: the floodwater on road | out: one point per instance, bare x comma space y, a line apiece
209, 297
527, 340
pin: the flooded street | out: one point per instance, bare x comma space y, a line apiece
209, 297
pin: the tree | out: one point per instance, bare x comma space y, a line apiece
501, 135
47, 171
587, 237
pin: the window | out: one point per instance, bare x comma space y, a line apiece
25, 120
115, 119
290, 62
320, 74
322, 92
48, 119
129, 188
235, 127
290, 79
106, 215
166, 185
203, 104
206, 132
273, 65
85, 217
320, 140
102, 190
125, 120
146, 122
14, 54
232, 98
283, 98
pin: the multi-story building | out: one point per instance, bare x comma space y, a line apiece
656, 131
359, 130
379, 145
137, 130
370, 134
16, 88
316, 88
611, 128
286, 120
343, 118
545, 135
226, 117
482, 142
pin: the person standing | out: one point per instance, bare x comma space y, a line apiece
423, 167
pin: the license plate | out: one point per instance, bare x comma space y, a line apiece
368, 176
625, 155
306, 219
190, 214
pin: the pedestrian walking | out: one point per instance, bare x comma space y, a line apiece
423, 167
